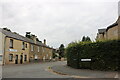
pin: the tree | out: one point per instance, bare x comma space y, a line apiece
54, 53
61, 51
86, 39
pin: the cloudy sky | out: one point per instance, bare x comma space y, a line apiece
58, 21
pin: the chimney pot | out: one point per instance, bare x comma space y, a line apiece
45, 41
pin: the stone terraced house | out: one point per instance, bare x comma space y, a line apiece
17, 49
112, 32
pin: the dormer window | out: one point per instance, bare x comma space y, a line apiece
11, 43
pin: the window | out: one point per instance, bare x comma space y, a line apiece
26, 45
23, 46
31, 47
11, 43
0, 57
25, 58
47, 55
43, 49
10, 57
36, 56
38, 49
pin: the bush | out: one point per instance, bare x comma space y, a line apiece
104, 55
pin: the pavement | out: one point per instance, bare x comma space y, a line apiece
84, 73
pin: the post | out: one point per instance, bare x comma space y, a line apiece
78, 66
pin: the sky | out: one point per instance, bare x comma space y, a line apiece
58, 21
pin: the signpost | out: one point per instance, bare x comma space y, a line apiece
85, 59
88, 61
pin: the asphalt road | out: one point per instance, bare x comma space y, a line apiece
33, 70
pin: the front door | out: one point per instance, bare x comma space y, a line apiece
16, 59
21, 59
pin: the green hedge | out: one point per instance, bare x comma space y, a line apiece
104, 55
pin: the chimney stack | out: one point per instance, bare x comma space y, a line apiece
45, 41
27, 34
34, 38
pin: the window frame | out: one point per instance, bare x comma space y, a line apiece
38, 49
1, 58
26, 45
11, 43
25, 58
43, 49
10, 57
32, 48
23, 45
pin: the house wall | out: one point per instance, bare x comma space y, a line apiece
2, 39
100, 37
16, 50
112, 33
47, 53
105, 36
35, 54
119, 27
43, 54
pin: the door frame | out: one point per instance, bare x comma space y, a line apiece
16, 59
21, 59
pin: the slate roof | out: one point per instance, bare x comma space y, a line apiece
20, 37
111, 26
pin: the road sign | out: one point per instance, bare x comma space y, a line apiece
85, 59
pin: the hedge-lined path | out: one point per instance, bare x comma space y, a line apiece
83, 73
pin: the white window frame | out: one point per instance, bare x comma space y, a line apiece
10, 57
38, 49
11, 43
1, 57
32, 48
36, 56
43, 49
23, 45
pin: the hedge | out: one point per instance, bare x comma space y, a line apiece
104, 55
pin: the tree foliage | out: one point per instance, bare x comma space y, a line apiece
105, 53
61, 51
86, 39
